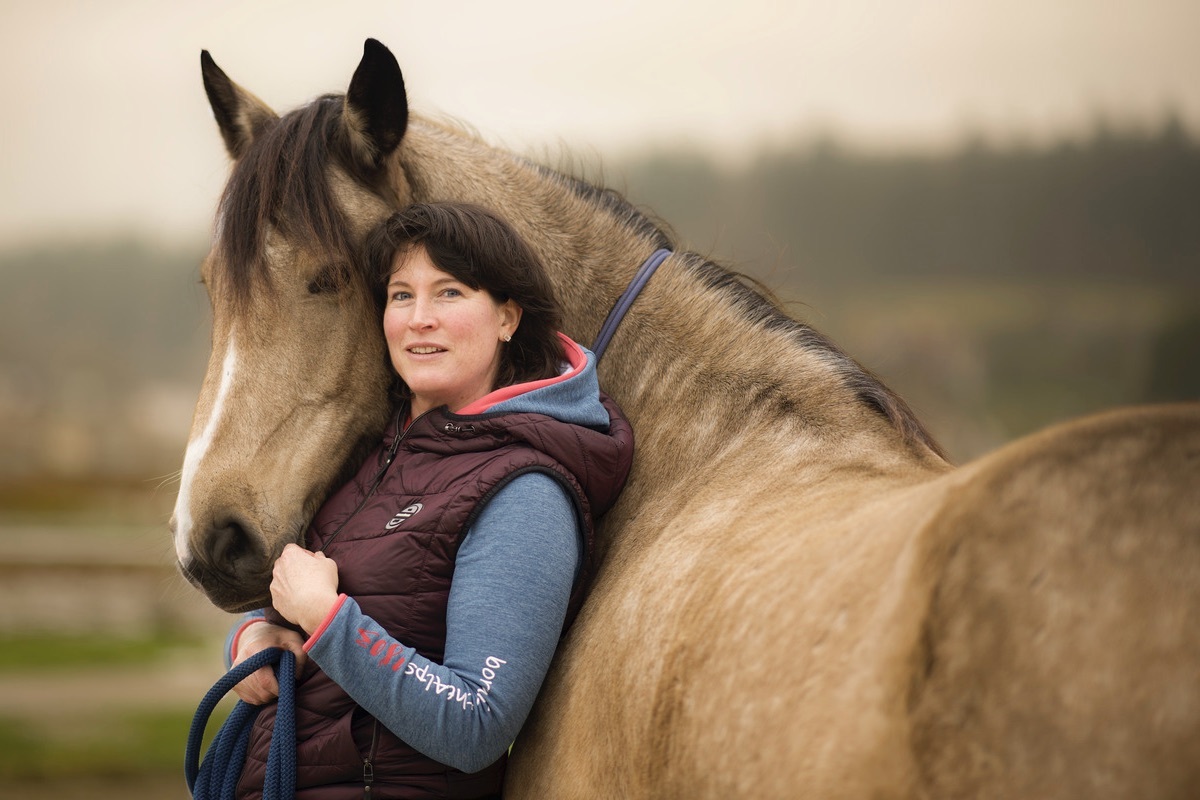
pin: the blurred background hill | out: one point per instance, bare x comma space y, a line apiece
1000, 288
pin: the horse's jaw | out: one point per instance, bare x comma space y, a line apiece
225, 595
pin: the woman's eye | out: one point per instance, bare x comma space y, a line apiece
452, 293
400, 296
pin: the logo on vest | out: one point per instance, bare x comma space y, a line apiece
410, 511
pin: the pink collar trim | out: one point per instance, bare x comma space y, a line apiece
575, 357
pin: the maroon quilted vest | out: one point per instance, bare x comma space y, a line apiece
394, 531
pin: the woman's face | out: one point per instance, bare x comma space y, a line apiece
444, 337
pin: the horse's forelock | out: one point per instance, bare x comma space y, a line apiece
282, 181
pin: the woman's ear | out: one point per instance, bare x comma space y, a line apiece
510, 318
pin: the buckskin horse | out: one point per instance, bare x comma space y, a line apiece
798, 595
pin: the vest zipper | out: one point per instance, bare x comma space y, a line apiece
389, 457
368, 767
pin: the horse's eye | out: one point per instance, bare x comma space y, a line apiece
329, 280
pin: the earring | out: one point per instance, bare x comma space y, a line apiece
507, 337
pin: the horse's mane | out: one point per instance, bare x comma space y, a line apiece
758, 305
615, 204
282, 181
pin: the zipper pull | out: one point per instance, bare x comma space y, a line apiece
368, 778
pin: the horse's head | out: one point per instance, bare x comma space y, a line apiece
298, 375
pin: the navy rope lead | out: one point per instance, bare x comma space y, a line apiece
217, 777
626, 300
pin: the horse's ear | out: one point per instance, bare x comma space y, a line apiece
240, 115
376, 111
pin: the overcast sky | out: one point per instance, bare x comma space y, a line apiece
105, 123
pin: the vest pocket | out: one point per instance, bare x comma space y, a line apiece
327, 752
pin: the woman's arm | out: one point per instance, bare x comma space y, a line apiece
512, 584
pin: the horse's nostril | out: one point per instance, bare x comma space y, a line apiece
230, 546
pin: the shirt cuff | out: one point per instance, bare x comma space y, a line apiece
237, 636
337, 606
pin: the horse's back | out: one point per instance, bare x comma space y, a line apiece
1061, 655
1020, 627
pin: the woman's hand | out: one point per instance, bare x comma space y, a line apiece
304, 586
262, 686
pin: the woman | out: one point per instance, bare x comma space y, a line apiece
436, 582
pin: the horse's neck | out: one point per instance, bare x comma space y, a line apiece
700, 378
589, 255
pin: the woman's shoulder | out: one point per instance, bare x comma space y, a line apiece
529, 489
528, 514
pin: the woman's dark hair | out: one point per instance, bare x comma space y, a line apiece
483, 251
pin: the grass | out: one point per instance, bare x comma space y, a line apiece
48, 651
94, 739
99, 746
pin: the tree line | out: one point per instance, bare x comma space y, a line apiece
87, 325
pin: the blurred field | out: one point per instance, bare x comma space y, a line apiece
984, 363
104, 649
998, 290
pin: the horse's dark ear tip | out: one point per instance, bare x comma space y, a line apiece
207, 65
375, 49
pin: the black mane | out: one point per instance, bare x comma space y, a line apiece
755, 305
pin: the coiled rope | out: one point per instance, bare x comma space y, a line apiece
217, 777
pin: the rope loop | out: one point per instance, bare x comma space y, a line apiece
217, 776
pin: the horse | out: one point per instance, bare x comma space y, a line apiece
797, 594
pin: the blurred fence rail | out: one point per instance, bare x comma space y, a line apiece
77, 580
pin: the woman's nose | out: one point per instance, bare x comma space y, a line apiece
422, 315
